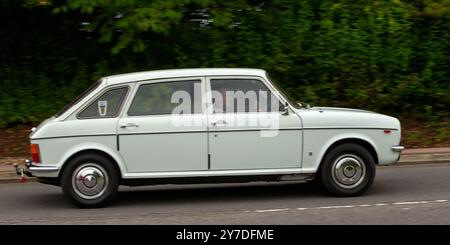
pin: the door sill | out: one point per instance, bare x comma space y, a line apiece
206, 173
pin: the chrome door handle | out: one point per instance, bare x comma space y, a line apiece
129, 125
219, 123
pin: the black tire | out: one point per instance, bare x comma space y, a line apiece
84, 190
316, 181
338, 166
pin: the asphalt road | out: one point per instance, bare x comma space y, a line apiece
408, 194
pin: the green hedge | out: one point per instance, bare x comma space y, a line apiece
388, 56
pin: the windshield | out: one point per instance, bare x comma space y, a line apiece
78, 98
290, 99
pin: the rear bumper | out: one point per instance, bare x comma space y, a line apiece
33, 170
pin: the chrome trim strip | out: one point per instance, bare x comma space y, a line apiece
72, 136
398, 148
214, 131
166, 132
209, 173
252, 129
42, 169
315, 128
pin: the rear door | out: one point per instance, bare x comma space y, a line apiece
163, 128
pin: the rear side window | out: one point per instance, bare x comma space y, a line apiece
107, 105
178, 97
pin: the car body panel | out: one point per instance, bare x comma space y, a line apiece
159, 149
253, 140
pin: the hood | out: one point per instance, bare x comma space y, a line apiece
340, 109
333, 117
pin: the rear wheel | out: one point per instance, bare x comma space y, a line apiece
347, 170
90, 180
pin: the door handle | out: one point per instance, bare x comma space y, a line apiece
219, 123
129, 125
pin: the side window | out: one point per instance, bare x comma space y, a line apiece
178, 97
242, 95
107, 105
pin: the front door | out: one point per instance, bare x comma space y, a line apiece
248, 128
164, 127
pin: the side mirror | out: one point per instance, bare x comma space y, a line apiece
285, 110
301, 104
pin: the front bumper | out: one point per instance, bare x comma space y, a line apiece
398, 148
33, 170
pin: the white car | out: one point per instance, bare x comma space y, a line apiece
202, 126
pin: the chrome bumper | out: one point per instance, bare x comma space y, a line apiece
398, 148
31, 170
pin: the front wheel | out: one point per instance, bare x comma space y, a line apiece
347, 170
90, 180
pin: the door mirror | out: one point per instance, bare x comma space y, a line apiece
302, 104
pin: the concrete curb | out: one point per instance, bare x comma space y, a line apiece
424, 158
9, 176
408, 157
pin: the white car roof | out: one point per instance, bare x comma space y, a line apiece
176, 73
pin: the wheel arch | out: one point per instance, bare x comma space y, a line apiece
362, 142
116, 164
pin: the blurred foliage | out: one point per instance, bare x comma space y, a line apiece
389, 56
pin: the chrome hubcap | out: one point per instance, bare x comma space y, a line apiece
90, 180
348, 171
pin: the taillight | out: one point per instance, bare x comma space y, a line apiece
35, 153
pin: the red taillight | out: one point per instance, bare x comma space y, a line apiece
35, 153
387, 131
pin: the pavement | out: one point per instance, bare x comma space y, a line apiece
401, 194
409, 156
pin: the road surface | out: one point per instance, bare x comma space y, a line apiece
408, 194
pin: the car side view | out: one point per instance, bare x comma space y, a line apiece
203, 126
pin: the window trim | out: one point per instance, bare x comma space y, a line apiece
149, 82
97, 97
232, 77
79, 98
288, 98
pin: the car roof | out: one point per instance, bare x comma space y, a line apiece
175, 73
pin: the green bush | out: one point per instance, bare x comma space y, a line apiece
387, 56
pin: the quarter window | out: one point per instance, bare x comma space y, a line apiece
107, 105
178, 97
79, 98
